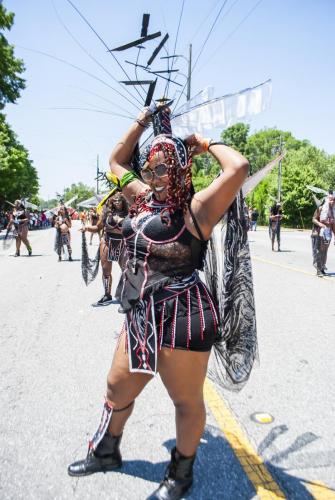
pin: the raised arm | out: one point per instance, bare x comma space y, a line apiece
121, 156
93, 228
316, 218
211, 203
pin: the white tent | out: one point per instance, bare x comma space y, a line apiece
91, 202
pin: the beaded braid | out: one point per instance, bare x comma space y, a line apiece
179, 186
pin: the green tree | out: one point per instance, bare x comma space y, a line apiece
80, 190
264, 145
18, 175
300, 170
10, 68
204, 170
303, 165
236, 136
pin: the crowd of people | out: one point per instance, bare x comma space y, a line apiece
38, 219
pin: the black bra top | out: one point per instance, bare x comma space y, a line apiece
156, 253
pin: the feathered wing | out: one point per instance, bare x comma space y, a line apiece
222, 111
228, 274
89, 267
256, 178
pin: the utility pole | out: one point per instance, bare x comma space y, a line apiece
98, 174
280, 170
189, 74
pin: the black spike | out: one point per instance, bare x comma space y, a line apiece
150, 93
164, 78
137, 65
164, 71
136, 42
145, 24
157, 49
137, 82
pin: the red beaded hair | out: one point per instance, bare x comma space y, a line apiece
179, 189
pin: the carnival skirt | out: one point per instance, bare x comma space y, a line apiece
115, 245
180, 316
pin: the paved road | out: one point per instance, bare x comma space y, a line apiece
55, 351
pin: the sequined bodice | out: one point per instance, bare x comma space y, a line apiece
157, 253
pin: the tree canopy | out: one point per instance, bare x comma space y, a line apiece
11, 83
80, 190
303, 165
18, 176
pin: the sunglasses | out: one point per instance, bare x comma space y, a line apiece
159, 171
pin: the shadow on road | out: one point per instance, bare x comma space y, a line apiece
294, 486
73, 260
30, 256
218, 473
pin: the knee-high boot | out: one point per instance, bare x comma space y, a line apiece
103, 451
178, 478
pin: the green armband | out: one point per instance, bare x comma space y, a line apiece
127, 178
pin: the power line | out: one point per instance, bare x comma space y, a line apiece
101, 97
78, 69
88, 109
175, 44
83, 48
105, 45
231, 33
203, 46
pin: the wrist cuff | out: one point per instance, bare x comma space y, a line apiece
216, 143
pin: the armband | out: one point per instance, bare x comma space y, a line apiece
127, 178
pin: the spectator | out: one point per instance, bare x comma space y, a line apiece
254, 219
276, 216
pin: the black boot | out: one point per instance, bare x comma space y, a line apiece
106, 457
178, 478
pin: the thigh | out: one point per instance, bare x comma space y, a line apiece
183, 373
105, 263
124, 386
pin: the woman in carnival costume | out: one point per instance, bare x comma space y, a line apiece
111, 245
20, 221
63, 225
94, 218
323, 228
172, 319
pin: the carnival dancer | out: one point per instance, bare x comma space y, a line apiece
327, 216
20, 220
63, 236
323, 227
171, 318
276, 216
319, 244
94, 217
111, 244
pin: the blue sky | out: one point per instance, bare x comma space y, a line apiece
290, 41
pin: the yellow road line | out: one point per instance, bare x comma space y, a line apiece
290, 268
320, 491
252, 464
265, 486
